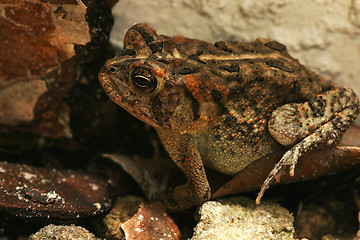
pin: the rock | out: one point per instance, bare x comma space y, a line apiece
17, 102
51, 49
62, 233
33, 192
240, 218
131, 218
123, 210
314, 222
146, 172
151, 222
37, 37
315, 164
42, 33
330, 219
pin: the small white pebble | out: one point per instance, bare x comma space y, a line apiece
98, 206
139, 230
29, 176
94, 186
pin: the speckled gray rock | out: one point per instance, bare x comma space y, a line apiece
240, 218
60, 232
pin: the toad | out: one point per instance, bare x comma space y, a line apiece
224, 105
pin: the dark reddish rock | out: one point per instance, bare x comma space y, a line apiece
38, 32
132, 218
33, 192
51, 53
36, 38
151, 222
315, 164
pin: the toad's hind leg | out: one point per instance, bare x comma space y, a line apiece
308, 126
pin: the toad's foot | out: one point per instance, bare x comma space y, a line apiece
309, 126
183, 150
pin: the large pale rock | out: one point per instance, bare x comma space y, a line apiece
239, 218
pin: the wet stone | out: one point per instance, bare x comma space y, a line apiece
34, 192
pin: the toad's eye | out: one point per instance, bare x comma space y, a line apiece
112, 69
145, 83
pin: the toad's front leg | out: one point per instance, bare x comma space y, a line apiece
308, 126
183, 149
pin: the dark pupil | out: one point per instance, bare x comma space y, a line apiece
112, 69
145, 83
